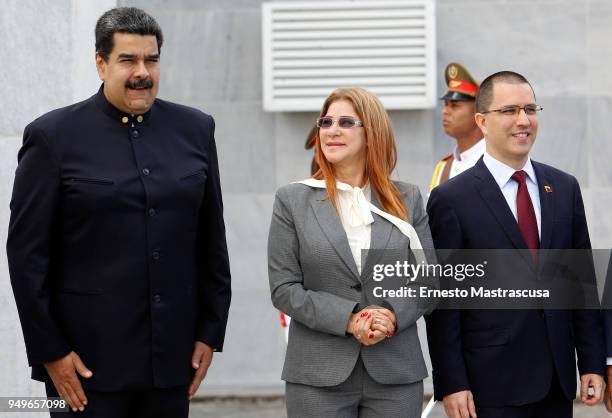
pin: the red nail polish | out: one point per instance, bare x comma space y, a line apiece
370, 335
363, 314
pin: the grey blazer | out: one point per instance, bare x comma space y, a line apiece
314, 279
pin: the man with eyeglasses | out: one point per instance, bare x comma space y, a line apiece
512, 363
458, 123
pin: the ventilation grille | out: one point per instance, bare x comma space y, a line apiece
311, 48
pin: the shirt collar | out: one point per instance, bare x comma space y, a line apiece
475, 150
344, 187
116, 114
502, 172
355, 204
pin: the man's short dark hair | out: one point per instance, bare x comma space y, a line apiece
124, 20
484, 97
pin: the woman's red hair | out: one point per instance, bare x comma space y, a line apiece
381, 154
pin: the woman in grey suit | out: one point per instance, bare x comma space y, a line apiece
353, 347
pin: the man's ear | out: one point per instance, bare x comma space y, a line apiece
101, 66
481, 121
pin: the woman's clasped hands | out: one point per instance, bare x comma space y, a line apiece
371, 325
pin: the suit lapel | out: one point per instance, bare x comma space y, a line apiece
547, 204
496, 202
328, 220
547, 210
381, 232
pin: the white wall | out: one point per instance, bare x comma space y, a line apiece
211, 59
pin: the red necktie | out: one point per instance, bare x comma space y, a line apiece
526, 215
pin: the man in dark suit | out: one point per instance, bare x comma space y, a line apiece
512, 363
116, 244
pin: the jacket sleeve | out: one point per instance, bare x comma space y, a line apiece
214, 290
30, 246
320, 311
444, 326
406, 311
587, 323
607, 309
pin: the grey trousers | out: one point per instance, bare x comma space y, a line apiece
358, 396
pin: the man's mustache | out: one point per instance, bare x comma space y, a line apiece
144, 83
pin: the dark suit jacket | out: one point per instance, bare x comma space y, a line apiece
116, 243
509, 357
607, 306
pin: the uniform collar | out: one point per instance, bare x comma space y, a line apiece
118, 115
474, 152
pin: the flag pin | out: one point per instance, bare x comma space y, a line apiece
548, 189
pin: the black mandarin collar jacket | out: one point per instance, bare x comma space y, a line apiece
116, 241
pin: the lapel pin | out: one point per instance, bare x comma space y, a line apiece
548, 189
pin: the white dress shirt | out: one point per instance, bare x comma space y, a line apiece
358, 227
502, 174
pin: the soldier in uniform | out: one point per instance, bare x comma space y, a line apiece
459, 123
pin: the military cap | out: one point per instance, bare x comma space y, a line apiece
461, 84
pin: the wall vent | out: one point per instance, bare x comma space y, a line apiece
310, 48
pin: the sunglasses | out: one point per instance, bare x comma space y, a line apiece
343, 122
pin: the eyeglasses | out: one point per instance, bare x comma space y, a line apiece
343, 122
530, 110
